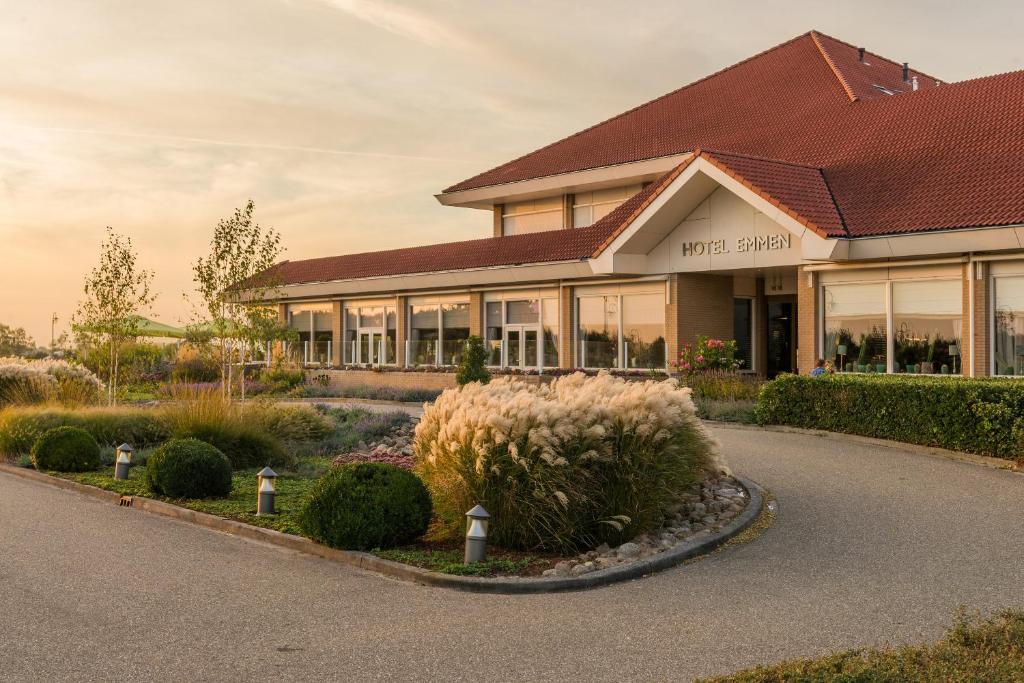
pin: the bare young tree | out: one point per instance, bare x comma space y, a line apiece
116, 292
234, 281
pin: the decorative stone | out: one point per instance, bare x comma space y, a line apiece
562, 568
581, 569
628, 550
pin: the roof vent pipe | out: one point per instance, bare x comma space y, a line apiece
860, 54
906, 72
913, 83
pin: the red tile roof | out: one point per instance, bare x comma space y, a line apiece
805, 127
541, 247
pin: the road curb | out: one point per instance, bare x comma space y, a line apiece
398, 570
931, 451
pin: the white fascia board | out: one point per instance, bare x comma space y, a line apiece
576, 181
454, 279
937, 243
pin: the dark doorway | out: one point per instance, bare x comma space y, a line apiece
781, 333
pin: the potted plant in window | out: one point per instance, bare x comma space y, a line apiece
927, 366
862, 356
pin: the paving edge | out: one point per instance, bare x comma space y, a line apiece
931, 451
398, 570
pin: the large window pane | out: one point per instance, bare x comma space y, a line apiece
525, 312
493, 332
371, 317
927, 322
599, 331
455, 318
312, 323
390, 336
424, 334
855, 338
643, 330
550, 329
1009, 325
349, 344
743, 331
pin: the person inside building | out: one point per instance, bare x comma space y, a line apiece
819, 368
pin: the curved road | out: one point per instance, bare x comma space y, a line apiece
870, 545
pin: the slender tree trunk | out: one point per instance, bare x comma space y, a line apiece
242, 388
110, 375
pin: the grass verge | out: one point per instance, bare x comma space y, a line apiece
972, 650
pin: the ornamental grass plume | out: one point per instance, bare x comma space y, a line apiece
563, 466
47, 380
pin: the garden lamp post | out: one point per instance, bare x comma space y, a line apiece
954, 351
841, 350
476, 535
122, 461
265, 491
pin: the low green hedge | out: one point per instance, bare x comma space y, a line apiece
66, 449
189, 468
366, 505
984, 416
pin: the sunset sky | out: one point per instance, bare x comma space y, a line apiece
342, 118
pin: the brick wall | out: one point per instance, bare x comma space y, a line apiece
807, 332
339, 380
699, 304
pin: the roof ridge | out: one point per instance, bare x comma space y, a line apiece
832, 65
875, 55
633, 109
755, 157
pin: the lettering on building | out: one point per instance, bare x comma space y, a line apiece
743, 245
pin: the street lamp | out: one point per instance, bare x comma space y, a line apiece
122, 461
265, 492
476, 535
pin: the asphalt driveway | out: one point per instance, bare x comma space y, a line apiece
870, 545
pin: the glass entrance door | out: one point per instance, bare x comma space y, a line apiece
781, 333
522, 347
368, 347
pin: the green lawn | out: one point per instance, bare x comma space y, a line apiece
973, 650
448, 560
292, 488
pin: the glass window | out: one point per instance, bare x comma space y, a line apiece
855, 329
550, 329
590, 207
743, 331
532, 216
523, 312
312, 323
927, 322
643, 330
351, 323
390, 336
493, 332
424, 334
455, 318
371, 317
1008, 293
599, 331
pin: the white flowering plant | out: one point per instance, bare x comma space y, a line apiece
563, 466
24, 381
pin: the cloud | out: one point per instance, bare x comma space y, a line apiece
406, 23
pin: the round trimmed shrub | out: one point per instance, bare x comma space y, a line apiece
366, 505
66, 449
189, 468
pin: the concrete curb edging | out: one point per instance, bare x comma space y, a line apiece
930, 451
504, 585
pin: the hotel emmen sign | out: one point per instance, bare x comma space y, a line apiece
741, 245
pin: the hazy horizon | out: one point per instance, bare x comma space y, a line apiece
342, 118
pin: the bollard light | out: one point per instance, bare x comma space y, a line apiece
476, 535
122, 461
265, 491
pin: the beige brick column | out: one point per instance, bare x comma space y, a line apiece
807, 332
401, 328
566, 328
476, 314
567, 219
337, 310
672, 321
980, 346
498, 210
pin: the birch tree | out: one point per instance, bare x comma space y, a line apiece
234, 280
116, 292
